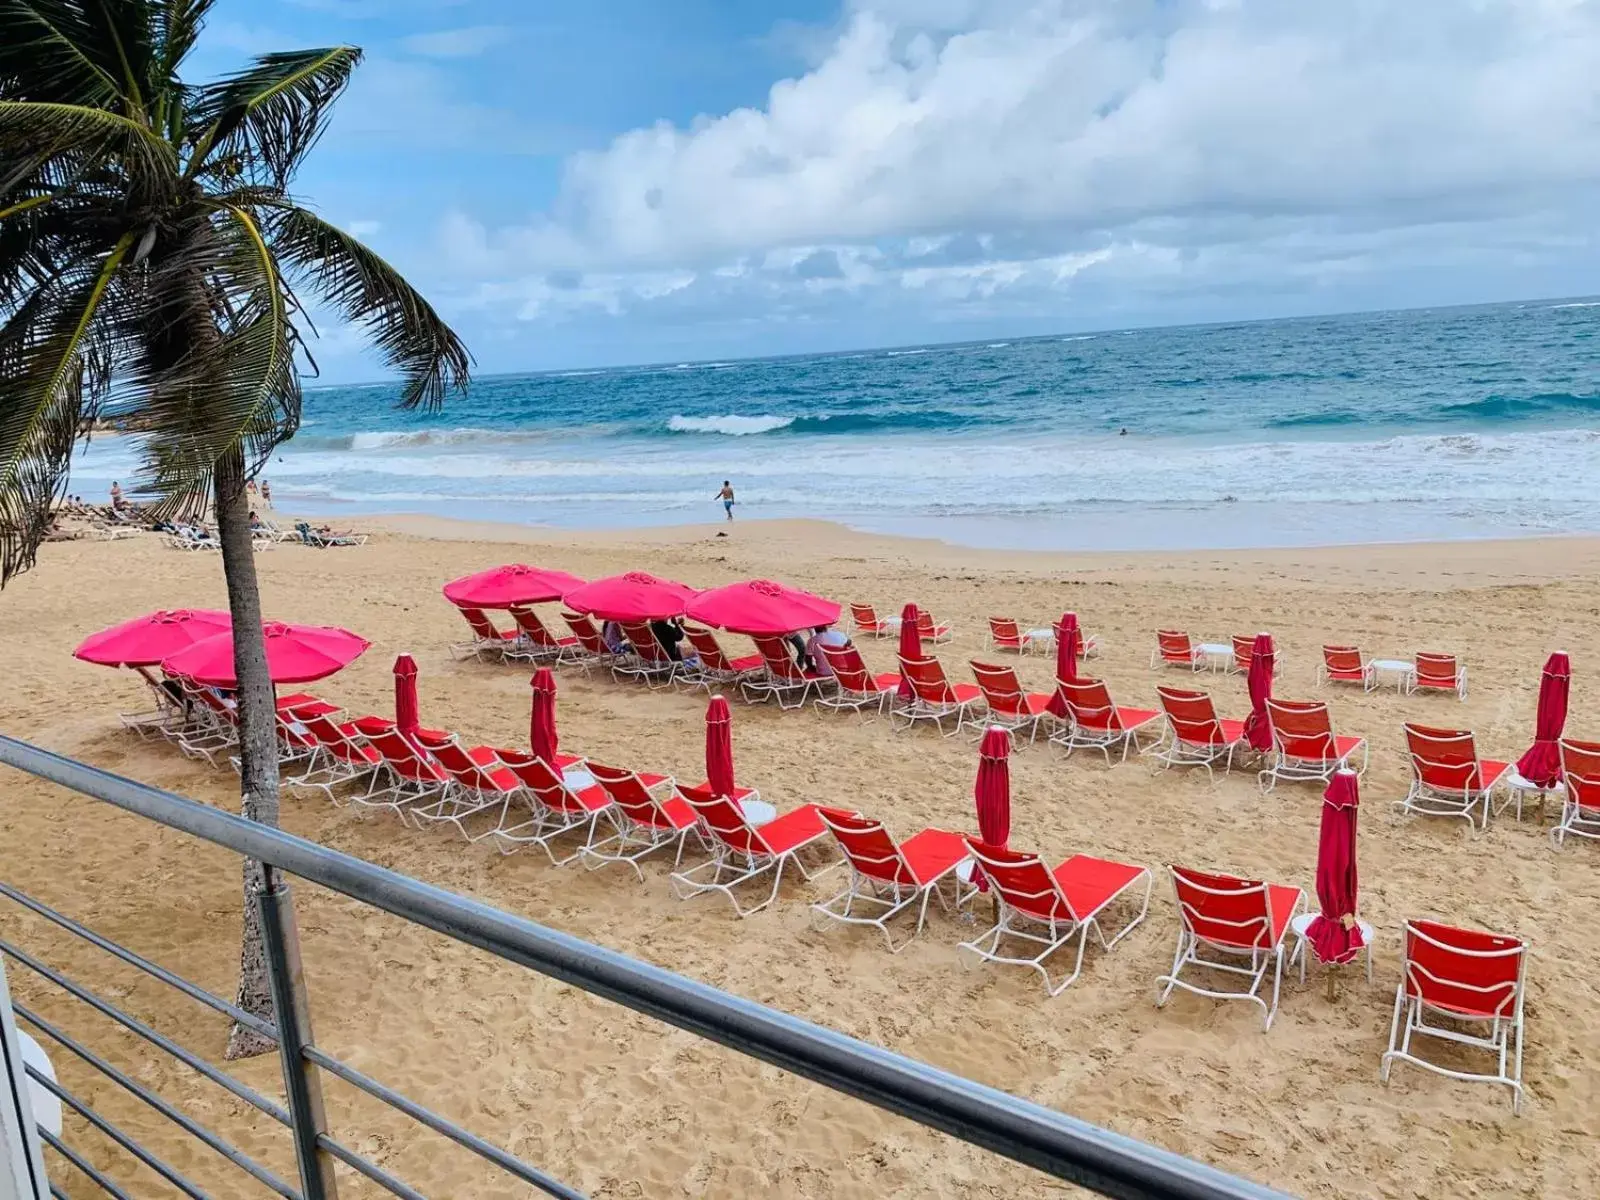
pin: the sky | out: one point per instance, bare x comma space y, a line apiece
629, 181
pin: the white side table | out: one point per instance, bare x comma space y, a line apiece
1398, 671
1518, 789
757, 812
1038, 637
1215, 654
1299, 925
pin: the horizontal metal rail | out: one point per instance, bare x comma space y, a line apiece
1050, 1141
83, 1164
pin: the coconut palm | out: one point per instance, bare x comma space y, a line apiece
150, 259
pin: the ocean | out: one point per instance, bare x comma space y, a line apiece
1415, 425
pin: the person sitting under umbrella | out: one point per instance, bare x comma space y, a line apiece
824, 636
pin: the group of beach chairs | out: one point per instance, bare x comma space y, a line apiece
1424, 672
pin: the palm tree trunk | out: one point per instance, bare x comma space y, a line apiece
258, 739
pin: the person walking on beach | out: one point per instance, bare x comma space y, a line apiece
266, 493
116, 496
726, 496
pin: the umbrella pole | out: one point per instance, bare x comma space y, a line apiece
1333, 989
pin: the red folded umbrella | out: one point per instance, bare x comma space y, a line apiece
1334, 935
1541, 765
515, 583
719, 747
992, 792
762, 607
1067, 639
635, 596
407, 712
542, 737
910, 644
145, 641
295, 654
1258, 725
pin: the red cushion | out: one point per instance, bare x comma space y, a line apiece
933, 852
793, 829
1090, 883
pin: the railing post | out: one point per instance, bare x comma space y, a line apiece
301, 1080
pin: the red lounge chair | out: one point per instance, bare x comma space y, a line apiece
1448, 779
649, 660
1440, 673
857, 688
781, 678
1194, 734
649, 816
1006, 634
1345, 664
716, 668
408, 775
1244, 650
487, 642
934, 698
1580, 791
1304, 746
886, 879
1174, 648
538, 644
1097, 723
930, 630
479, 783
870, 623
343, 756
1049, 909
1009, 706
592, 649
213, 726
1236, 919
555, 809
742, 853
1469, 978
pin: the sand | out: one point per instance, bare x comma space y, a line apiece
619, 1106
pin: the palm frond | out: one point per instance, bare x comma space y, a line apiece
32, 133
126, 31
368, 292
178, 25
51, 50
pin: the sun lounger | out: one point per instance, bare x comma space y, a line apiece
742, 853
716, 669
781, 678
1244, 650
594, 651
1448, 779
855, 688
649, 660
1006, 634
1304, 746
1194, 735
342, 756
535, 643
934, 698
649, 813
867, 621
479, 784
319, 540
1233, 919
408, 775
1096, 722
887, 879
488, 643
1440, 673
213, 727
555, 805
169, 713
1008, 705
1047, 909
1472, 984
1580, 791
1174, 648
184, 537
1345, 664
930, 630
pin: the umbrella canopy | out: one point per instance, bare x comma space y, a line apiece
635, 596
1258, 726
1067, 642
295, 654
515, 583
407, 712
542, 738
910, 644
1541, 765
1334, 935
145, 641
719, 747
760, 606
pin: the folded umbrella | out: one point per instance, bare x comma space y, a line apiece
991, 793
407, 711
542, 738
1334, 934
1541, 765
761, 607
1067, 640
910, 645
1258, 725
719, 747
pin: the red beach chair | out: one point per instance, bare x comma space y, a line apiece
858, 689
930, 630
934, 698
1440, 673
343, 756
649, 660
1048, 909
781, 678
1006, 634
716, 668
1174, 648
742, 853
1468, 978
555, 808
867, 621
1304, 746
1244, 652
487, 642
1580, 801
1009, 706
1448, 779
537, 642
1194, 734
1097, 723
1234, 919
1344, 664
592, 649
408, 775
650, 814
886, 879
479, 783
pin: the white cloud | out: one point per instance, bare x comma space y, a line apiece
466, 42
362, 228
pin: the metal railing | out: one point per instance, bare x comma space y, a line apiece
1059, 1145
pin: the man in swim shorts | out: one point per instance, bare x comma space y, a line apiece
726, 496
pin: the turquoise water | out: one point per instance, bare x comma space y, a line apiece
1458, 422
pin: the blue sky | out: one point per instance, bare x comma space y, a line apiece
625, 181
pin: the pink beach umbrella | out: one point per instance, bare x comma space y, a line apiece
719, 747
991, 793
407, 711
1334, 933
542, 738
1067, 641
910, 644
1541, 765
1258, 725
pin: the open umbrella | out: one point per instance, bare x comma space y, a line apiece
542, 737
1258, 725
515, 583
1334, 935
762, 607
147, 640
635, 596
407, 711
910, 645
1541, 765
719, 747
295, 654
992, 792
1067, 640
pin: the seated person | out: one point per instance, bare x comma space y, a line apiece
611, 634
824, 635
668, 634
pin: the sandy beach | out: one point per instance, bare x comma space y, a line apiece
621, 1107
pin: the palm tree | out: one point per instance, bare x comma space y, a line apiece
150, 253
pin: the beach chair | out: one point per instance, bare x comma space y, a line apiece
1244, 650
555, 806
1006, 634
1008, 705
649, 660
934, 698
1448, 779
408, 774
186, 537
742, 854
1580, 791
1046, 909
866, 620
781, 678
1194, 735
593, 651
1174, 648
169, 713
535, 642
1344, 664
856, 688
1097, 723
487, 642
319, 540
887, 879
214, 727
479, 783
1439, 673
649, 813
930, 630
716, 669
1232, 919
1472, 983
342, 756
1304, 746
